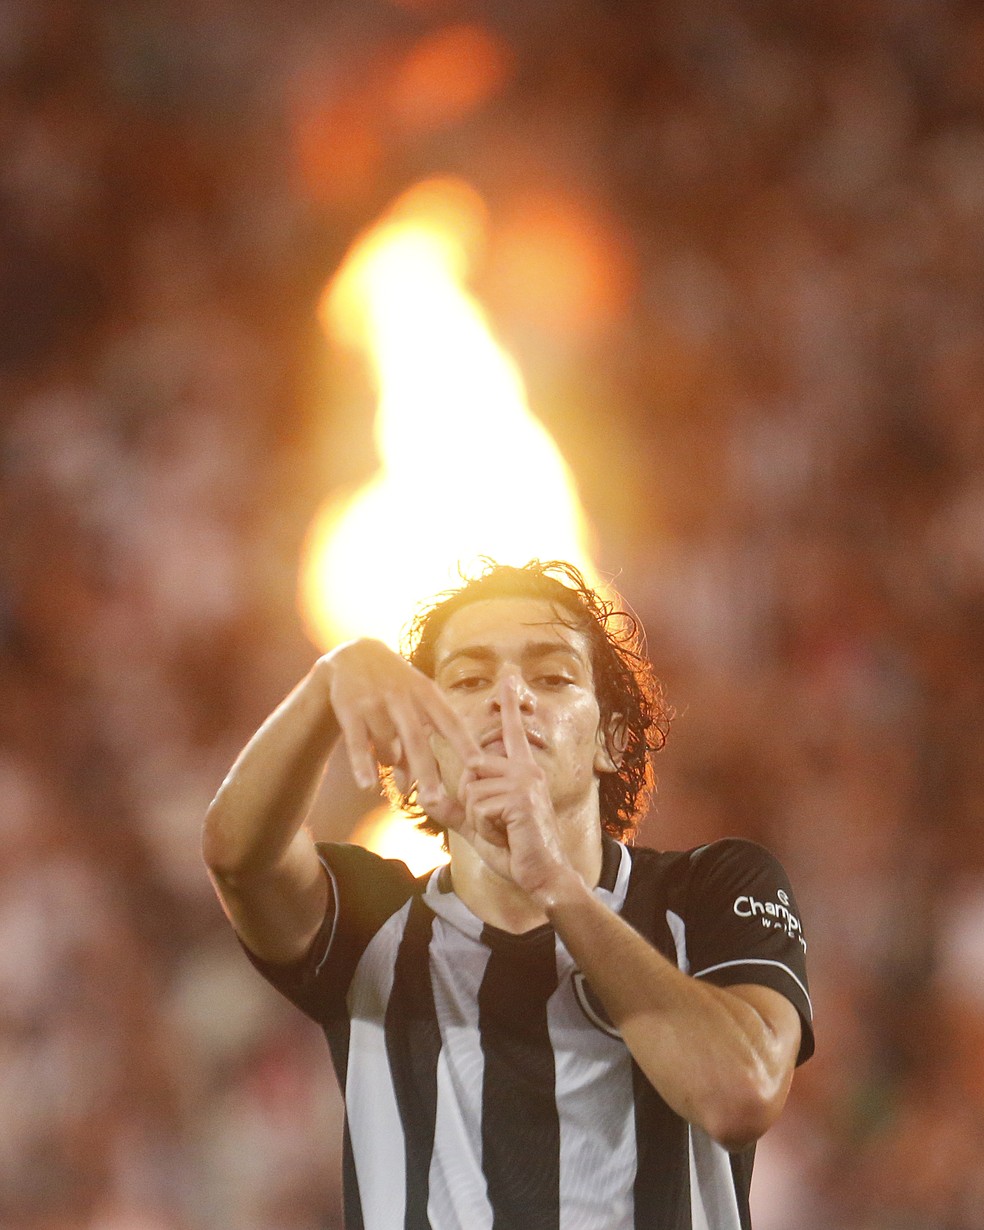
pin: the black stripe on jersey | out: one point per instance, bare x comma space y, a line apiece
350, 1187
661, 1192
520, 1125
741, 1173
413, 1044
611, 861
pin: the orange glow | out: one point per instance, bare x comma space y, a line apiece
396, 836
447, 75
561, 264
465, 469
337, 151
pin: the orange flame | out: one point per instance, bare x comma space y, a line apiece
465, 468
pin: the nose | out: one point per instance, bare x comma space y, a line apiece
524, 693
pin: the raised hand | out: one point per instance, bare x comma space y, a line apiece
388, 713
508, 815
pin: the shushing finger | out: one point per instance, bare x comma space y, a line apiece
513, 732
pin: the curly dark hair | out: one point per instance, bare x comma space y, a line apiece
625, 686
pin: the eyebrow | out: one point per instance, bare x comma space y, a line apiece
532, 651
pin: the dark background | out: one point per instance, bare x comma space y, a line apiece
737, 249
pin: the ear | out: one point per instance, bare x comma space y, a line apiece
613, 739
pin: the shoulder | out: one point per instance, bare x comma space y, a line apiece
732, 878
366, 888
366, 891
722, 860
347, 859
732, 857
733, 869
719, 873
724, 847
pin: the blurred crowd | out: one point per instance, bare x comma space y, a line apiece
738, 252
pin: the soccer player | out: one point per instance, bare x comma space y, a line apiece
559, 1029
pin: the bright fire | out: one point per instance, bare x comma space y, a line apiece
464, 467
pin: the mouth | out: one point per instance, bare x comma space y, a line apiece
495, 739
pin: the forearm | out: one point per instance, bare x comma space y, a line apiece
709, 1054
265, 797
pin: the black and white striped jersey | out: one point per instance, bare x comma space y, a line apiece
486, 1089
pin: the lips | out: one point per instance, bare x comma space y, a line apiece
496, 737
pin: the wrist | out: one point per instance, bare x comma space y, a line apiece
326, 664
564, 890
335, 664
322, 675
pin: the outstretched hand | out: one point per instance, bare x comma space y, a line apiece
388, 713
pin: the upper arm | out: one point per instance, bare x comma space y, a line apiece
278, 912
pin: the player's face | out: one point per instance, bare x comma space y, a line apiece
522, 640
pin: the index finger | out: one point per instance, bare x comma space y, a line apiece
513, 734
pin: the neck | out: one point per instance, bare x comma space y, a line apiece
503, 904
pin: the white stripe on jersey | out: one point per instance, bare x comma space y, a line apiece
370, 1100
615, 898
594, 1086
678, 929
457, 1194
713, 1204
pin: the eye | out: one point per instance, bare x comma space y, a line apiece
468, 683
555, 681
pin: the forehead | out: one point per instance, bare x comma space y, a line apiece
507, 626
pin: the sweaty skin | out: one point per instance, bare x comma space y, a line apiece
521, 684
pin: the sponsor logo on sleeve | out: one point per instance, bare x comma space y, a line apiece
773, 915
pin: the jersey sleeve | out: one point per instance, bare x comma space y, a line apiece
743, 925
365, 890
